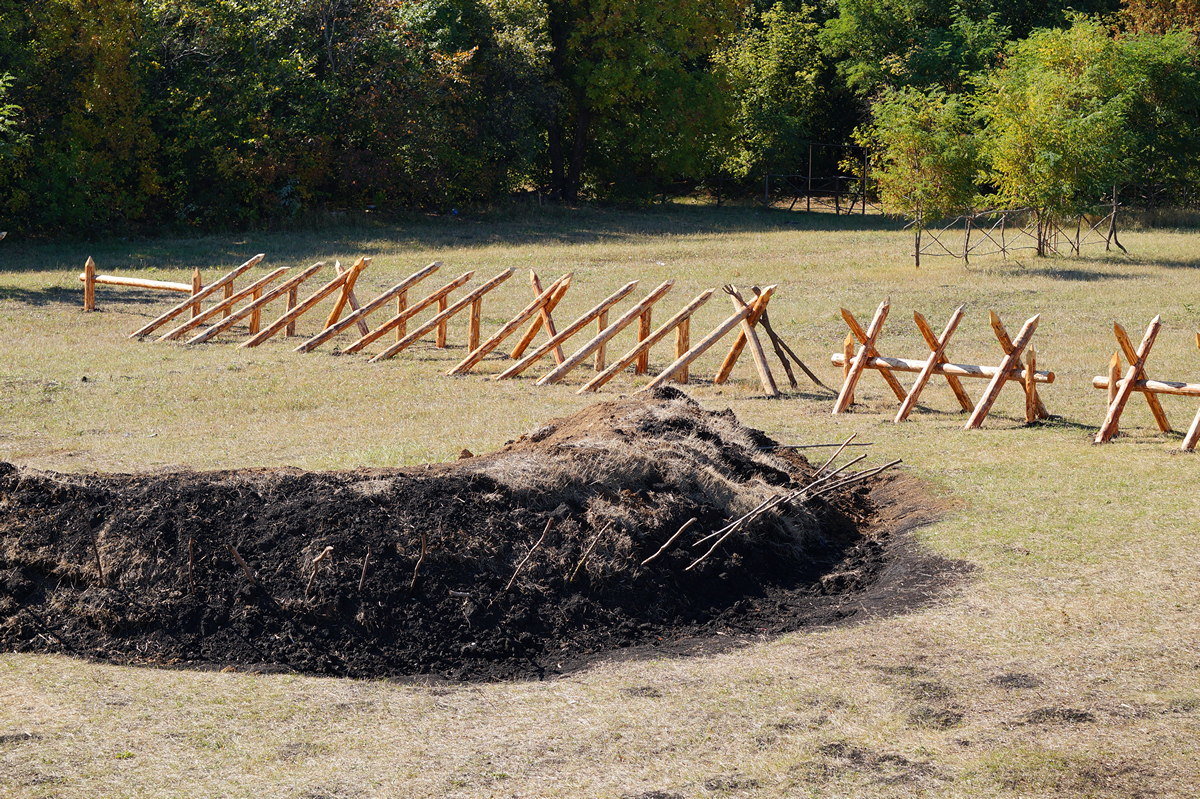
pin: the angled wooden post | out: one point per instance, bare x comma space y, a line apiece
739, 343
1156, 408
683, 342
676, 322
706, 343
400, 320
225, 282
289, 317
937, 356
347, 297
596, 312
440, 320
1003, 373
861, 335
525, 314
288, 286
750, 336
1007, 345
89, 285
378, 302
931, 340
545, 319
865, 351
220, 307
197, 287
1129, 383
602, 338
1193, 435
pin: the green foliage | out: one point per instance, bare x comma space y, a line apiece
926, 153
774, 71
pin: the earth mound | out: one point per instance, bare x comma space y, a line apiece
525, 562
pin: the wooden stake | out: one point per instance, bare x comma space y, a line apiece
597, 312
526, 313
217, 309
228, 294
1115, 408
476, 320
545, 319
337, 327
291, 316
956, 386
1031, 395
848, 358
643, 358
706, 343
440, 338
400, 320
197, 287
293, 297
864, 352
440, 320
937, 355
744, 335
347, 297
288, 286
401, 305
676, 322
255, 315
1156, 408
1003, 374
1006, 344
1193, 435
89, 285
602, 350
225, 282
857, 331
683, 340
602, 338
748, 334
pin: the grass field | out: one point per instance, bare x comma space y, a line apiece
1067, 665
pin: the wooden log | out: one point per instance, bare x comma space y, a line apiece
401, 306
89, 285
440, 338
596, 312
1193, 435
1156, 408
220, 307
847, 359
706, 343
1031, 395
228, 294
602, 350
293, 296
288, 286
865, 351
739, 343
1114, 377
887, 363
378, 302
255, 315
523, 316
936, 356
1007, 345
857, 331
676, 322
931, 339
197, 287
338, 282
1003, 372
347, 297
602, 338
1169, 387
400, 320
132, 282
440, 320
761, 365
474, 323
683, 342
226, 281
545, 319
1126, 389
643, 358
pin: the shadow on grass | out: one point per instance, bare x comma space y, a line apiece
549, 225
58, 295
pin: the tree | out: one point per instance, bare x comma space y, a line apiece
926, 155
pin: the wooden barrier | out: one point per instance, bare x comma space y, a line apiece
90, 280
288, 287
223, 307
361, 314
545, 319
399, 322
538, 306
344, 282
1135, 379
740, 318
867, 356
225, 282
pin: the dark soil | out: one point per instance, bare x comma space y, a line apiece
524, 562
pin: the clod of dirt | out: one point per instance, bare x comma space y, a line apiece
524, 562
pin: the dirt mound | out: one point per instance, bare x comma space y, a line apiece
523, 562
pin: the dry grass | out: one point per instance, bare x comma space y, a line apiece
1066, 666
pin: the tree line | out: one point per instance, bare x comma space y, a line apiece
204, 114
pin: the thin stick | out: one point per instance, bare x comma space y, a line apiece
686, 526
362, 577
819, 446
834, 456
245, 568
417, 566
587, 552
529, 554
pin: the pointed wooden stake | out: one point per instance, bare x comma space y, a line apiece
865, 351
1129, 383
1004, 373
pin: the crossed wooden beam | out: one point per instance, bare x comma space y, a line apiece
855, 361
1122, 387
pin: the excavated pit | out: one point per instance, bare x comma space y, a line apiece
443, 569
